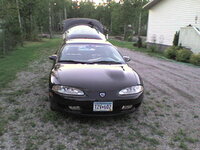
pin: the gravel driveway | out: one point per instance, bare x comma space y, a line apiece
168, 119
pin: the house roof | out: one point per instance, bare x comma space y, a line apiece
150, 4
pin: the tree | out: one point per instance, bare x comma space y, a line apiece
25, 19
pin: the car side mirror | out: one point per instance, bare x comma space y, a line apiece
126, 58
53, 57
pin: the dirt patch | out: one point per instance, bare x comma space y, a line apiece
168, 118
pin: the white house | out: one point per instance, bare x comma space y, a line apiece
168, 16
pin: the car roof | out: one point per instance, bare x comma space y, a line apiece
84, 31
87, 41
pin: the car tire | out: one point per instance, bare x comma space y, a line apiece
53, 105
137, 105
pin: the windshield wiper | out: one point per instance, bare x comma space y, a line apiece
72, 61
106, 62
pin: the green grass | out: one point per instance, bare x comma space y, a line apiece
129, 45
21, 57
3, 123
183, 139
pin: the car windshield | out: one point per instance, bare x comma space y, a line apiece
91, 53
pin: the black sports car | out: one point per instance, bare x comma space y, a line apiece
90, 77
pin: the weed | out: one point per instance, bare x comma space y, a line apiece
30, 145
196, 116
3, 123
50, 116
60, 147
181, 137
13, 117
32, 124
183, 146
11, 99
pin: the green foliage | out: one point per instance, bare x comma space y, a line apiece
183, 55
139, 42
131, 46
153, 48
195, 59
34, 17
176, 39
171, 52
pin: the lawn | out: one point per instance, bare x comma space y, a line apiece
129, 45
19, 59
162, 122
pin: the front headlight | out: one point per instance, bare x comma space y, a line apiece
67, 90
131, 90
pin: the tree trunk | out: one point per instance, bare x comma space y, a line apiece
65, 12
140, 20
3, 34
124, 31
4, 42
50, 21
20, 22
139, 24
111, 24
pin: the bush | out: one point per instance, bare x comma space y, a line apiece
129, 38
183, 55
139, 42
195, 59
153, 48
176, 38
171, 52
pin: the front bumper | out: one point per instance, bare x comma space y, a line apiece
86, 104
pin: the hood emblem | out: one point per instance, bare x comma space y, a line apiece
102, 94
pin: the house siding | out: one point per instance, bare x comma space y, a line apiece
168, 16
190, 38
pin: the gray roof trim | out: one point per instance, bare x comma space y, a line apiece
150, 4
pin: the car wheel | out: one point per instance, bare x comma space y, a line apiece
53, 105
137, 105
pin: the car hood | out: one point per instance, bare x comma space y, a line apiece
96, 76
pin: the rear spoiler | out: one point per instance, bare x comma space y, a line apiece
69, 23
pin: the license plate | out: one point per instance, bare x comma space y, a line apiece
103, 106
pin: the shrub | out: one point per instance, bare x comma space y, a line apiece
144, 45
171, 52
129, 38
153, 48
183, 55
176, 39
195, 59
139, 42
